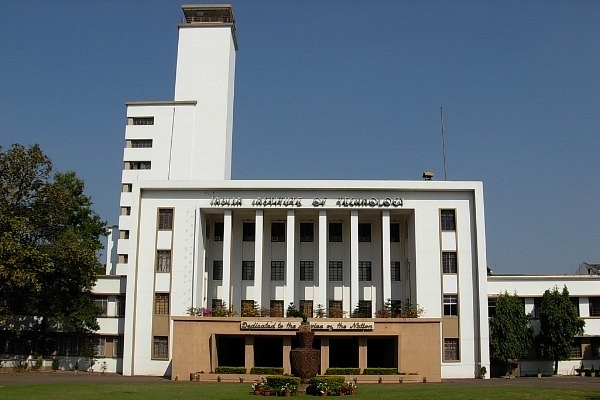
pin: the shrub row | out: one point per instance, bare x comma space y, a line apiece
266, 370
230, 370
329, 383
342, 371
282, 382
380, 371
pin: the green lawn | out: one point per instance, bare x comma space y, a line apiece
234, 391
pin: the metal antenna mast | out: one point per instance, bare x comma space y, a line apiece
443, 141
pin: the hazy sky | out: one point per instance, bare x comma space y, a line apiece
343, 90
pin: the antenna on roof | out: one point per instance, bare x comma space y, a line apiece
443, 141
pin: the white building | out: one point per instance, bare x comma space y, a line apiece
189, 236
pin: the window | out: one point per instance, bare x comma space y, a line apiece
576, 348
307, 270
575, 302
142, 121
247, 270
248, 231
123, 258
125, 210
217, 303
306, 307
395, 272
161, 347
217, 270
394, 232
364, 309
249, 308
492, 306
364, 232
120, 306
140, 143
307, 233
449, 262
100, 346
138, 165
163, 261
594, 306
448, 220
124, 234
335, 309
277, 270
364, 270
161, 303
336, 272
537, 302
127, 188
276, 308
451, 350
335, 232
102, 303
117, 347
165, 218
219, 229
277, 231
450, 304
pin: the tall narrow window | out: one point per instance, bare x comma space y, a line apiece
100, 346
335, 232
364, 270
450, 305
364, 232
163, 260
336, 272
277, 231
161, 303
120, 306
219, 229
394, 232
248, 231
277, 270
117, 347
307, 270
492, 301
276, 308
102, 303
594, 306
161, 347
449, 265
448, 220
217, 270
365, 309
306, 307
307, 233
247, 270
451, 350
335, 309
395, 271
165, 218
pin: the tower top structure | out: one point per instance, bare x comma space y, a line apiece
209, 15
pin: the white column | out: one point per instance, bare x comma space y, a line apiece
321, 296
290, 241
258, 257
353, 261
386, 279
227, 229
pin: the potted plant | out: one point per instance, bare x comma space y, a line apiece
482, 372
539, 373
351, 387
322, 388
266, 390
257, 387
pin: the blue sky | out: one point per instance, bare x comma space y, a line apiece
343, 90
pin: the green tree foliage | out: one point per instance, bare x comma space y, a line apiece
511, 333
49, 239
559, 324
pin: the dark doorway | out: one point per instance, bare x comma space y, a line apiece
343, 353
382, 353
268, 352
230, 351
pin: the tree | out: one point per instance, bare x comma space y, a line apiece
49, 239
559, 324
511, 333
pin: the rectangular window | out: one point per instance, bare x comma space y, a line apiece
307, 270
102, 303
120, 306
124, 234
492, 306
594, 306
140, 143
100, 346
575, 302
364, 232
142, 121
365, 309
335, 232
125, 210
161, 303
161, 347
277, 270
276, 308
163, 260
138, 165
395, 272
123, 258
306, 307
117, 347
127, 188
217, 270
364, 270
448, 220
165, 218
394, 232
576, 351
247, 270
219, 229
450, 304
336, 273
449, 262
335, 309
248, 231
277, 231
307, 233
537, 302
248, 308
451, 350
216, 303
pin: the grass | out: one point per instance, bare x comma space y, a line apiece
233, 391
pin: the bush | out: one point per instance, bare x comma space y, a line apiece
331, 384
266, 370
342, 371
55, 364
380, 371
281, 383
230, 370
